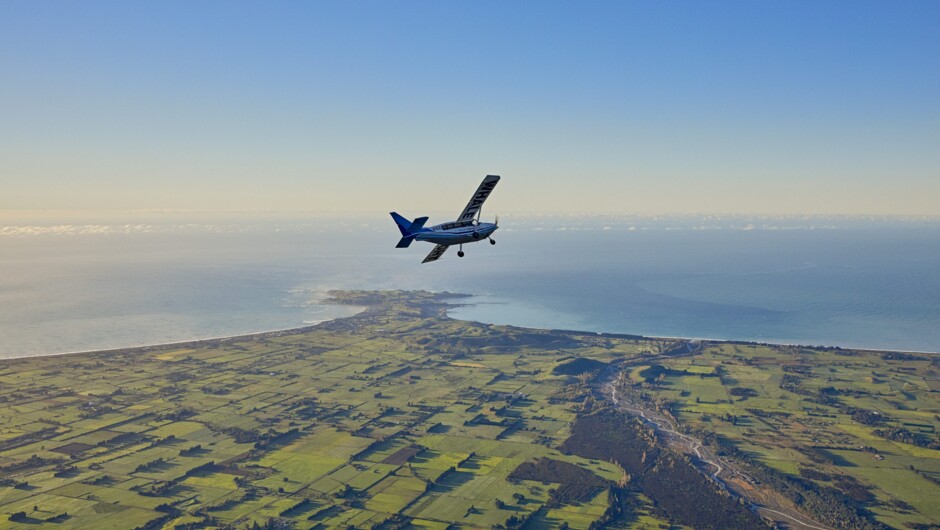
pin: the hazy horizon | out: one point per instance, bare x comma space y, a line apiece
822, 280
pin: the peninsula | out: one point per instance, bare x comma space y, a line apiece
401, 417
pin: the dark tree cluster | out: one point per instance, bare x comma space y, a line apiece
868, 417
741, 391
576, 484
900, 434
673, 483
579, 365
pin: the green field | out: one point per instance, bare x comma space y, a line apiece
819, 415
401, 417
394, 415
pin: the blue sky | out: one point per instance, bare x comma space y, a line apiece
633, 107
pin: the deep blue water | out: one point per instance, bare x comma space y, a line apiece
872, 283
871, 288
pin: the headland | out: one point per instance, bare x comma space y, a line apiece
402, 417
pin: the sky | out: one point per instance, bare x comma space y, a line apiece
775, 107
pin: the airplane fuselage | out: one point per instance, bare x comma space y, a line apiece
467, 228
457, 233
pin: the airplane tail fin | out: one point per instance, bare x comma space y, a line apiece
409, 229
403, 224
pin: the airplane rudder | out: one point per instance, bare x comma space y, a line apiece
404, 225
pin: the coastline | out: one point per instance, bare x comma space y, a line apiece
201, 341
771, 342
176, 344
193, 342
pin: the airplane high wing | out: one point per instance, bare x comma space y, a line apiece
479, 197
436, 253
468, 228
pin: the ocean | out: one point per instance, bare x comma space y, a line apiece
71, 285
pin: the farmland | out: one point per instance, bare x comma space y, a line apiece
396, 415
859, 428
402, 417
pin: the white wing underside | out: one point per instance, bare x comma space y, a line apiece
479, 197
436, 253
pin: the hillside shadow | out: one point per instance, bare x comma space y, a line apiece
836, 459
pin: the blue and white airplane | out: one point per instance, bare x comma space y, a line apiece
466, 229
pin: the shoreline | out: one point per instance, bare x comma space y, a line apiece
704, 339
176, 344
160, 346
142, 348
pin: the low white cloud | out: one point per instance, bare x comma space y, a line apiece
96, 229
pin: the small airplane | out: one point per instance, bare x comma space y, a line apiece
466, 229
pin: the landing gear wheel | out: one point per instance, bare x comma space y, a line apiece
459, 253
492, 241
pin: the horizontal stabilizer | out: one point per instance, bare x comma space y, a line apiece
405, 242
417, 225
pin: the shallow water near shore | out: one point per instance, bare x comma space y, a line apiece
872, 284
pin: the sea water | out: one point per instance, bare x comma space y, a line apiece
96, 284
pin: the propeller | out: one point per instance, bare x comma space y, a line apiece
496, 222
